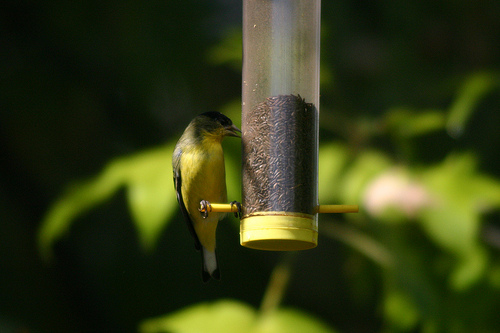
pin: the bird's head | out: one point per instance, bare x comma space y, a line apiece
215, 125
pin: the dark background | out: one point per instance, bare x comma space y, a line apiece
83, 82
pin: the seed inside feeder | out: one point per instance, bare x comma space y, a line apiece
279, 164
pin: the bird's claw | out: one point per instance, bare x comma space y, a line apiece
238, 205
205, 207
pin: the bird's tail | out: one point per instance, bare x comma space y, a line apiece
210, 268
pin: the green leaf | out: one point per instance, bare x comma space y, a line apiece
400, 310
461, 194
406, 123
367, 166
411, 292
290, 321
332, 161
469, 95
494, 276
228, 51
233, 316
469, 269
219, 317
453, 219
148, 179
150, 191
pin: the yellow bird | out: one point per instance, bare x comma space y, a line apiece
200, 178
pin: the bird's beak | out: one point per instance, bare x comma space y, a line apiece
232, 131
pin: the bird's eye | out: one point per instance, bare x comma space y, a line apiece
225, 122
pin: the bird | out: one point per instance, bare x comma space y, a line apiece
199, 178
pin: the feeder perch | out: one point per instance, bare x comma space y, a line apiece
280, 110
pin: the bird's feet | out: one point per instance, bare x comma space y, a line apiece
205, 207
238, 206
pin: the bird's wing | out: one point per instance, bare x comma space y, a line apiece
187, 218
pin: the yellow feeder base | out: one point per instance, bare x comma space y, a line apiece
279, 231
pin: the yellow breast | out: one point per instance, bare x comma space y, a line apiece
203, 178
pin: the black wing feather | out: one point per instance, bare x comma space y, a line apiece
187, 218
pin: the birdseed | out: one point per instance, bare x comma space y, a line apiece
279, 156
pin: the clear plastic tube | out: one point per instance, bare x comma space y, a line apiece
281, 42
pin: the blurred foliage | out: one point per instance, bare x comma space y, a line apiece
233, 316
148, 179
102, 90
470, 94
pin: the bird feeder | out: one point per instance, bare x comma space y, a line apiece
280, 100
280, 110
